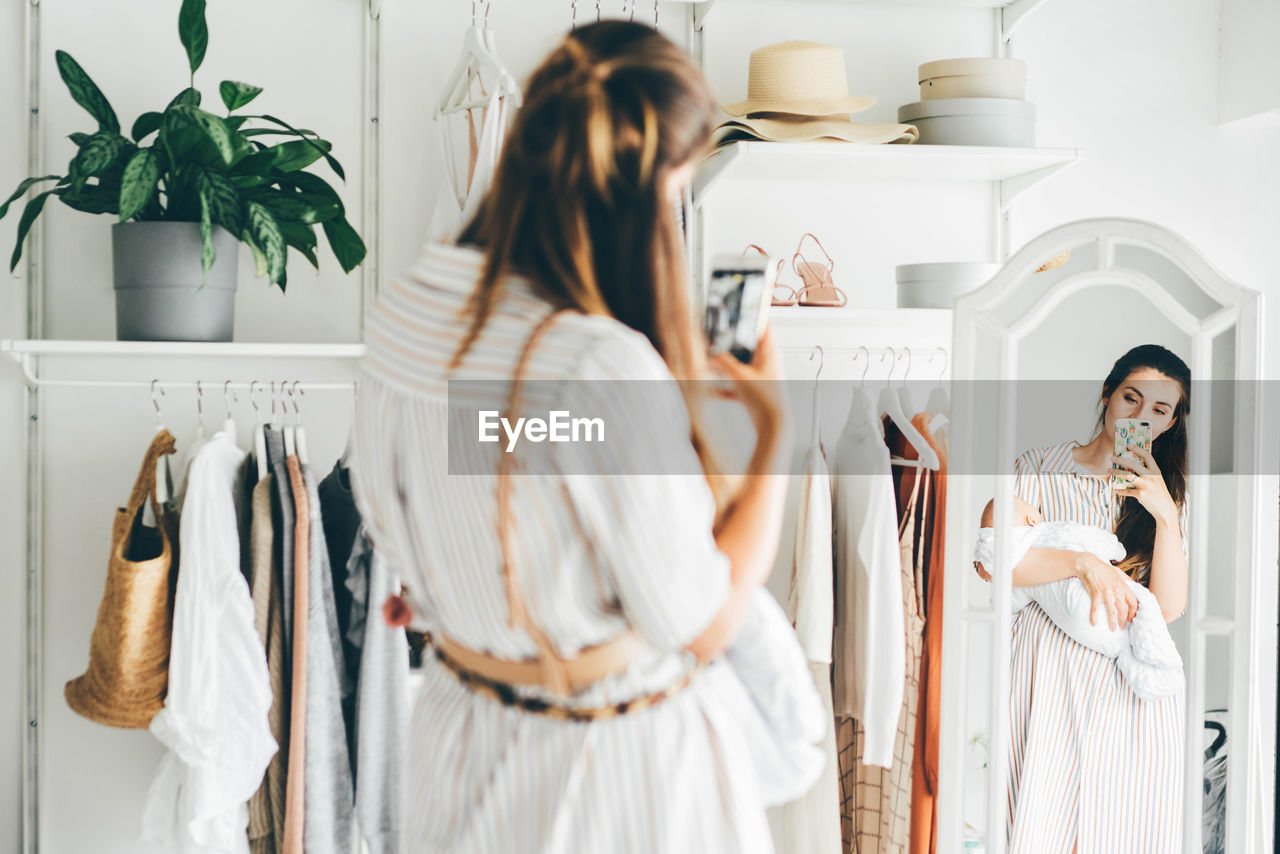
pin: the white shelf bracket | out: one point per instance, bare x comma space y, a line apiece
1010, 188
700, 12
1014, 14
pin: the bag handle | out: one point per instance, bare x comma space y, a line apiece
517, 612
145, 485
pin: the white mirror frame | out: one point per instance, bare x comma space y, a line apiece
1253, 678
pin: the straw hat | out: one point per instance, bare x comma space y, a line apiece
799, 78
128, 674
779, 128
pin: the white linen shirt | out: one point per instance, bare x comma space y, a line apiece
214, 721
870, 628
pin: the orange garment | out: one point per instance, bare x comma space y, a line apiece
295, 776
924, 772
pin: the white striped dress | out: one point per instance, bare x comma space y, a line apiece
596, 554
1092, 767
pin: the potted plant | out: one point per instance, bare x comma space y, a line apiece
186, 185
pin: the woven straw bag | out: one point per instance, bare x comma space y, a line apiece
128, 672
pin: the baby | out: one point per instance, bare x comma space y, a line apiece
1144, 651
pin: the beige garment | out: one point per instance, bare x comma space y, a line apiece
295, 796
266, 807
875, 803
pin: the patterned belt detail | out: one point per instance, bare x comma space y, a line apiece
505, 694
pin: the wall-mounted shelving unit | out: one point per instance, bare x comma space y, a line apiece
1015, 169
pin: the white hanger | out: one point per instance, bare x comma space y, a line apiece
891, 404
200, 434
259, 435
479, 57
939, 405
345, 459
290, 449
904, 394
299, 435
162, 464
228, 426
816, 436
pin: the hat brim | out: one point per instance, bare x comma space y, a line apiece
802, 106
781, 130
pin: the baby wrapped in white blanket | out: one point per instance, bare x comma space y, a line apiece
1144, 651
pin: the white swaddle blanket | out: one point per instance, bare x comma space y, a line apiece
785, 720
1144, 651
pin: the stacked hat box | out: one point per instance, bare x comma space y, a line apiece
973, 101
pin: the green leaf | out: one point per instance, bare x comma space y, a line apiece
295, 156
223, 200
22, 188
234, 123
85, 92
147, 123
95, 156
92, 198
333, 164
207, 254
193, 32
266, 233
141, 176
302, 238
213, 128
273, 131
29, 214
345, 243
235, 94
259, 259
78, 138
298, 206
314, 185
187, 97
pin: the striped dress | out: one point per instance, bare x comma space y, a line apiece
1091, 765
596, 554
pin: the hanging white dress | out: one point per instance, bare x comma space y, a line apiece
811, 825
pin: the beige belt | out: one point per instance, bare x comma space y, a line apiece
589, 666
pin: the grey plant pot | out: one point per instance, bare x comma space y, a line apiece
157, 283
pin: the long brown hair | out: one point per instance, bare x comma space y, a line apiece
1135, 527
578, 204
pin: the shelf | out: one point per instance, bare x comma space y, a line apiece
1012, 11
180, 349
802, 315
1015, 168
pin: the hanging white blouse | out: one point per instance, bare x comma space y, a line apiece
870, 660
214, 721
811, 824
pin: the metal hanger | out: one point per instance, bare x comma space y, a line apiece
904, 393
162, 465
299, 434
890, 403
816, 437
259, 434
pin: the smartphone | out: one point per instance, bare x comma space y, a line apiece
737, 298
1130, 433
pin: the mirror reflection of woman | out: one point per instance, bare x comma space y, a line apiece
1093, 768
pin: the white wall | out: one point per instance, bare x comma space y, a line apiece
1134, 84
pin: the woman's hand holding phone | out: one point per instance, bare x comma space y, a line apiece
1145, 483
758, 386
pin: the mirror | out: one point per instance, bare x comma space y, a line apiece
1067, 733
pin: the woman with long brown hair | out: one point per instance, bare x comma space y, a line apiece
577, 604
1093, 768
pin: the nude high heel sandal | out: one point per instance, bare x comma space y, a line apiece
819, 288
789, 296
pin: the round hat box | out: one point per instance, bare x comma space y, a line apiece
978, 77
937, 285
972, 121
